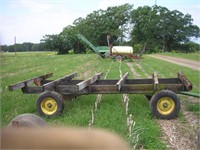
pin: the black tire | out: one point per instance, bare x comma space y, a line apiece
165, 104
50, 104
119, 58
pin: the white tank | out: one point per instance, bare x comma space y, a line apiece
122, 50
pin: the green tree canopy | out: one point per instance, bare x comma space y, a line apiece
156, 27
159, 27
94, 27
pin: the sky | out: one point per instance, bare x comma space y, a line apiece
30, 20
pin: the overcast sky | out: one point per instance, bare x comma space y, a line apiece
30, 20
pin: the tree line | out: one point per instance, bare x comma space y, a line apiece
24, 47
156, 27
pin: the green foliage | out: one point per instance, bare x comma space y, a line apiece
189, 47
161, 28
95, 27
24, 47
137, 48
98, 24
57, 43
88, 51
70, 34
71, 51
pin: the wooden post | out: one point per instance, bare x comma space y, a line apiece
155, 81
121, 81
88, 82
52, 85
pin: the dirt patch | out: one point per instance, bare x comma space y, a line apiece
132, 70
192, 119
140, 67
178, 135
195, 65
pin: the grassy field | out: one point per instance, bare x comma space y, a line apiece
111, 113
191, 56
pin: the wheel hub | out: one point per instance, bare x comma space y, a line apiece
49, 106
165, 106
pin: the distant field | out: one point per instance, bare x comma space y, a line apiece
111, 114
191, 56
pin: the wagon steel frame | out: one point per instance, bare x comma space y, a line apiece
161, 92
93, 85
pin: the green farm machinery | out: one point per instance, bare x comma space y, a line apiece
99, 50
117, 52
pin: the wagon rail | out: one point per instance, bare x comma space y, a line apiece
160, 91
66, 85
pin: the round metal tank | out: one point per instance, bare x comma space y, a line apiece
122, 50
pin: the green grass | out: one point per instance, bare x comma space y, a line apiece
194, 107
25, 66
191, 56
165, 69
111, 113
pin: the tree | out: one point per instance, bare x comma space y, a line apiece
155, 27
94, 27
56, 42
160, 27
70, 34
98, 24
27, 46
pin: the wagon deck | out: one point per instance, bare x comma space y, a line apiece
161, 92
94, 85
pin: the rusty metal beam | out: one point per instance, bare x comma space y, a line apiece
185, 81
53, 84
29, 81
32, 90
66, 86
88, 82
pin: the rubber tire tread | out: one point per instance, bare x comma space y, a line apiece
56, 96
164, 93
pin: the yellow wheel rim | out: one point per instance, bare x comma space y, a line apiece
165, 106
49, 106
